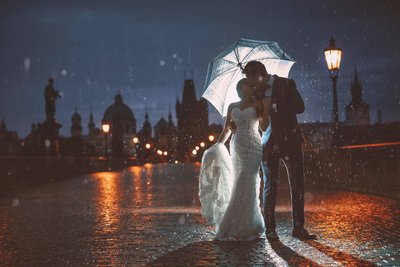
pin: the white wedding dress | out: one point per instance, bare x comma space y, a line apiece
229, 185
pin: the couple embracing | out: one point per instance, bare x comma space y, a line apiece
229, 182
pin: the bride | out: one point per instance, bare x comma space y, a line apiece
229, 185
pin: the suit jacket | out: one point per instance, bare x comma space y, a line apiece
286, 104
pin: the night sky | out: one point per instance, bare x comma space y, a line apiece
97, 48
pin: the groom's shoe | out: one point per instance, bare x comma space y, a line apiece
271, 235
303, 234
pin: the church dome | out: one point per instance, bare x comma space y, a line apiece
119, 109
123, 112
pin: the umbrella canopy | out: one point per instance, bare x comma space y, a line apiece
225, 70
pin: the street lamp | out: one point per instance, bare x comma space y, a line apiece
333, 56
135, 140
211, 137
106, 129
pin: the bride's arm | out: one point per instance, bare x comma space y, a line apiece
226, 132
266, 107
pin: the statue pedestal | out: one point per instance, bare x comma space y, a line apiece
51, 136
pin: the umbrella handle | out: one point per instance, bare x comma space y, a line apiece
240, 66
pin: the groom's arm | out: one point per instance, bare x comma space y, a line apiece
295, 101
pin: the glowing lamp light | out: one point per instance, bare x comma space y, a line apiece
211, 137
202, 144
197, 147
165, 153
194, 152
148, 146
159, 152
106, 127
135, 140
333, 56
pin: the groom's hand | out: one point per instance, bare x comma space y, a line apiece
232, 126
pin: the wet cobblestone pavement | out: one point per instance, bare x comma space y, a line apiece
150, 215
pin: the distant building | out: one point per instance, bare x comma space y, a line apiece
145, 133
121, 112
160, 128
92, 130
192, 121
76, 127
9, 141
166, 137
95, 137
357, 111
122, 127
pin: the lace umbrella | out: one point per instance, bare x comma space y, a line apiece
225, 70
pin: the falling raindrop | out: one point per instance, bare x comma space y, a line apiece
15, 202
27, 64
182, 220
162, 63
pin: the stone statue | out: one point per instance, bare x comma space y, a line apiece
50, 95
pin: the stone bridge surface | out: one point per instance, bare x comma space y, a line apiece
150, 215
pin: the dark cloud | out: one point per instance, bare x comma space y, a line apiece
142, 48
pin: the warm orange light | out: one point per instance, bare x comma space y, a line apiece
194, 152
159, 152
148, 146
165, 153
333, 56
202, 144
197, 147
370, 145
106, 127
135, 140
211, 137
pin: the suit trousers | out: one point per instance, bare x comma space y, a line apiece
293, 159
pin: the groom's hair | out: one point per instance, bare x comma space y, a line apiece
254, 67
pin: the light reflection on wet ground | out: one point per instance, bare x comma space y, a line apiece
151, 215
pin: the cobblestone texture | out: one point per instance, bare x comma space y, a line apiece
150, 215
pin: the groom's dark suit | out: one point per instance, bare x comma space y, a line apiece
284, 144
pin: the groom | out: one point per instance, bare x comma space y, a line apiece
283, 144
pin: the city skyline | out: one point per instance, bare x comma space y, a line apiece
96, 49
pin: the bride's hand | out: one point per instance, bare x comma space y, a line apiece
266, 107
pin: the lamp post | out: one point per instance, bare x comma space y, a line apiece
106, 129
333, 56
